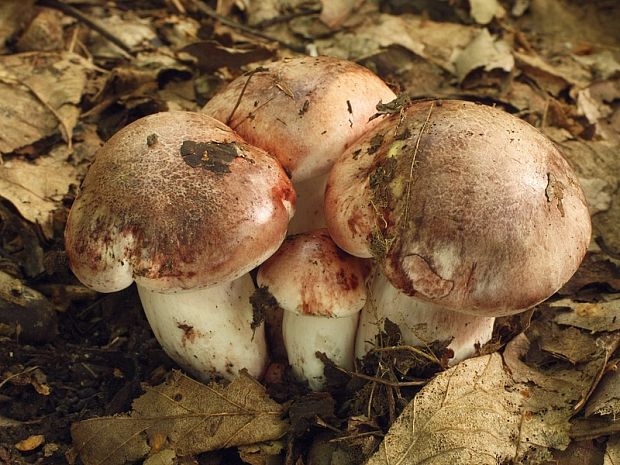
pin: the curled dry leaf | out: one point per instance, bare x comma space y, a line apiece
24, 312
578, 453
483, 11
30, 443
551, 78
183, 415
593, 316
39, 93
606, 398
486, 53
13, 14
36, 188
436, 42
612, 453
480, 412
467, 414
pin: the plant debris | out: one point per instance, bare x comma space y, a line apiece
73, 73
185, 416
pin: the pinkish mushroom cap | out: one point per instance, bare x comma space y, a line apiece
309, 275
305, 111
176, 201
462, 205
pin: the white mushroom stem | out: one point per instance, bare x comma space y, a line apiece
309, 209
305, 335
208, 331
421, 323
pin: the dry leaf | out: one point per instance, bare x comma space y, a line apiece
335, 12
163, 457
266, 453
484, 52
13, 15
211, 55
436, 42
24, 312
606, 398
44, 33
39, 93
479, 412
612, 454
136, 33
552, 78
36, 188
467, 414
595, 316
578, 453
483, 11
30, 443
593, 427
183, 415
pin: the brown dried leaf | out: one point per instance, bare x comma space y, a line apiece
39, 93
36, 188
486, 53
578, 453
265, 453
211, 55
552, 78
30, 443
183, 415
135, 32
13, 15
595, 317
335, 12
594, 427
436, 42
467, 414
25, 313
606, 398
479, 412
612, 454
483, 11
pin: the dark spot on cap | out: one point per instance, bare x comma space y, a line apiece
151, 140
213, 156
304, 108
375, 143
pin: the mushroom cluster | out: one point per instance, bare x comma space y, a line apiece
185, 206
467, 213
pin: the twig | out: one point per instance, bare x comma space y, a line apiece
415, 154
245, 86
241, 27
385, 382
408, 348
88, 21
15, 375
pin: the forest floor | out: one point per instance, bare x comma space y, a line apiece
73, 363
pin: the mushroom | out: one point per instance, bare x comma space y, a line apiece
421, 323
463, 206
321, 289
306, 112
183, 206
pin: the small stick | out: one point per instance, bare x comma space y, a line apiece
386, 382
408, 348
88, 21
